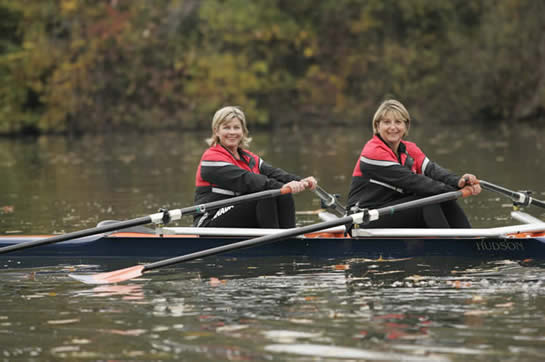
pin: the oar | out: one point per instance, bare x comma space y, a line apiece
363, 217
160, 217
519, 198
330, 201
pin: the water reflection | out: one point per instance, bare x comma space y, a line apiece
416, 309
127, 291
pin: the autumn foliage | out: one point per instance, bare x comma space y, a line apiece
73, 66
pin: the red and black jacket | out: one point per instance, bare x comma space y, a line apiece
381, 177
220, 175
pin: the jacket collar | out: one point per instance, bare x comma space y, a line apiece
401, 148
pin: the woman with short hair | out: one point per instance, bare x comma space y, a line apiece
228, 169
391, 170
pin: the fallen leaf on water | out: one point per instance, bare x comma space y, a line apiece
215, 281
459, 284
8, 209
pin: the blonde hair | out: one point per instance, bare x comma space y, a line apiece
227, 114
396, 109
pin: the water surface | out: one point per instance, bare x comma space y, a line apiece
253, 309
420, 309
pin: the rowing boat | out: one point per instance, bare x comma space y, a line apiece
326, 239
521, 241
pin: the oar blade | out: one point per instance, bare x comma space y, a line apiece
116, 276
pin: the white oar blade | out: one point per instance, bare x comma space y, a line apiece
116, 276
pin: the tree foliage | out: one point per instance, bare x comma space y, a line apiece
95, 65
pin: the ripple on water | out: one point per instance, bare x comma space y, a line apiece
229, 309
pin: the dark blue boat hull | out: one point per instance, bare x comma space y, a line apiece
336, 247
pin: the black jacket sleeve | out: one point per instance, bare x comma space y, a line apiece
403, 178
277, 173
436, 172
234, 178
237, 179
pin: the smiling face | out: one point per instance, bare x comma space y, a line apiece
230, 134
392, 128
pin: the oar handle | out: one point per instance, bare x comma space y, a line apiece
518, 198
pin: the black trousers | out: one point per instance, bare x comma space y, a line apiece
444, 215
276, 212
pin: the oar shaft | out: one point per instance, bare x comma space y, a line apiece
520, 198
537, 202
78, 234
502, 190
330, 201
453, 195
202, 208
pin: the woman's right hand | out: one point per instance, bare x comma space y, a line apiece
471, 181
296, 186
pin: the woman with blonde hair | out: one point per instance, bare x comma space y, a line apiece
391, 170
227, 168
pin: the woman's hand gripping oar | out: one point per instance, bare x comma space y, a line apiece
158, 218
364, 217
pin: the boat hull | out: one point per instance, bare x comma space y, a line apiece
145, 246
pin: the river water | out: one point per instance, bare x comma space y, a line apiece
253, 309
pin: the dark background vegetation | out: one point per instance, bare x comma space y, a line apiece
76, 66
